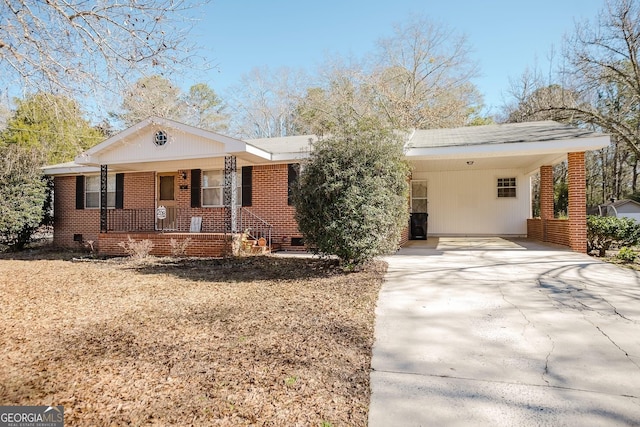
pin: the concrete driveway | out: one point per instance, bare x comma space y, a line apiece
492, 332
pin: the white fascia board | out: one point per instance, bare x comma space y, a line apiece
69, 170
511, 149
252, 149
297, 156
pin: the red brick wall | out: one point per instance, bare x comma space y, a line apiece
67, 219
201, 244
270, 192
269, 203
557, 231
139, 190
535, 229
577, 202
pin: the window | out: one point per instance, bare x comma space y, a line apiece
419, 197
160, 138
92, 191
213, 188
506, 187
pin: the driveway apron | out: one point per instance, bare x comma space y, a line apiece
495, 332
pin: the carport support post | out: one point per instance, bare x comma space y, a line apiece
577, 202
546, 197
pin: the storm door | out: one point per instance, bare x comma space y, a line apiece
166, 197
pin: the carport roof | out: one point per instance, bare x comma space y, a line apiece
497, 134
510, 133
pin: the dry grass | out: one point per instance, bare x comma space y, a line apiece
251, 341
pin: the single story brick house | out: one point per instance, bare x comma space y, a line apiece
164, 180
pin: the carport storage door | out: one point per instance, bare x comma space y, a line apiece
419, 209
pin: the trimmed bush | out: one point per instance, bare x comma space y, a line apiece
626, 254
603, 232
351, 197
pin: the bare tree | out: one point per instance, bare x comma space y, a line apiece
423, 76
150, 96
600, 88
204, 109
74, 46
158, 96
264, 103
344, 97
418, 78
604, 67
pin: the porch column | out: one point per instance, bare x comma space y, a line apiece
577, 202
230, 194
103, 198
546, 198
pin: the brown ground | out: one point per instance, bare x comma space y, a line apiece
248, 341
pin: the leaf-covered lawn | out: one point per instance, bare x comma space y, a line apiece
249, 341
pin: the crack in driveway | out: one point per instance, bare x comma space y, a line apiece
573, 293
545, 371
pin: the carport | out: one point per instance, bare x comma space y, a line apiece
476, 181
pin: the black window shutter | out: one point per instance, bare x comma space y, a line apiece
79, 192
247, 178
119, 191
291, 180
195, 188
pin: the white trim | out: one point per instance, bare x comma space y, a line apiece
511, 149
69, 169
91, 156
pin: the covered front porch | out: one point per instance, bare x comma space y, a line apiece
175, 231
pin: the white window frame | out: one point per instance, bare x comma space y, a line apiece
507, 183
111, 191
221, 188
412, 197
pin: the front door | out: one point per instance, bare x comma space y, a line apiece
166, 196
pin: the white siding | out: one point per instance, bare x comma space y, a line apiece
635, 216
466, 203
141, 148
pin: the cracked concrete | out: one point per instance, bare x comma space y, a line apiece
490, 332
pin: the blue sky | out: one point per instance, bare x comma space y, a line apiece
506, 36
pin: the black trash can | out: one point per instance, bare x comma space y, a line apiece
418, 228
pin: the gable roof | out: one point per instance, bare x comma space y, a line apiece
135, 145
622, 202
544, 142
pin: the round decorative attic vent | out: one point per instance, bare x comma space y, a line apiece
160, 138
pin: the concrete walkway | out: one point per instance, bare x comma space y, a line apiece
491, 332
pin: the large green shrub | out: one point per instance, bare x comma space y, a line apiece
605, 231
22, 195
351, 198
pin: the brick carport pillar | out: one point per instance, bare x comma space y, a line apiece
577, 202
546, 197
